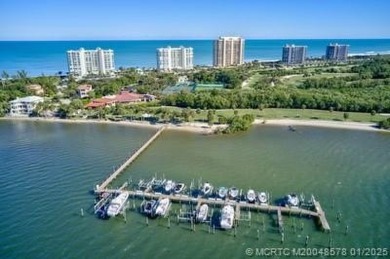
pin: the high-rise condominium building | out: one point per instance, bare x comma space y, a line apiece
175, 58
228, 51
294, 54
83, 62
337, 52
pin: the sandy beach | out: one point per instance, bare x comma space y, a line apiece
204, 128
322, 123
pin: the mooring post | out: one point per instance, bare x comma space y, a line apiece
213, 229
330, 241
82, 212
258, 234
282, 241
346, 229
169, 222
301, 226
147, 221
307, 240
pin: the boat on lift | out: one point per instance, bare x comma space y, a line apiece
292, 200
222, 192
263, 198
117, 204
233, 193
206, 189
162, 207
251, 196
169, 186
179, 188
202, 213
227, 217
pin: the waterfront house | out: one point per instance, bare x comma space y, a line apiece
124, 97
24, 106
83, 90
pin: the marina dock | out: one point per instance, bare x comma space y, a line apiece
266, 208
121, 168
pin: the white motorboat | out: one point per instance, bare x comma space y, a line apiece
251, 196
222, 192
292, 200
117, 204
263, 197
169, 186
201, 214
233, 193
149, 207
227, 217
179, 187
207, 189
162, 207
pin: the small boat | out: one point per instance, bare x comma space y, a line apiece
291, 128
227, 217
251, 196
169, 186
201, 214
149, 207
179, 187
117, 204
233, 193
162, 207
263, 198
222, 192
207, 189
292, 200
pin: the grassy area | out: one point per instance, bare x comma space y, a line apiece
298, 114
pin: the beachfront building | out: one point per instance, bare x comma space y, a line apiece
337, 52
228, 51
83, 90
175, 58
294, 54
86, 62
24, 106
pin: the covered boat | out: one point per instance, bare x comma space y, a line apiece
227, 217
201, 214
251, 196
117, 204
148, 207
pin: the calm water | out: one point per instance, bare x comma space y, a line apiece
47, 169
49, 57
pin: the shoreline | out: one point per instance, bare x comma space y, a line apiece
204, 128
195, 127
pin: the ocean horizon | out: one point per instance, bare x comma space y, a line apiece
49, 57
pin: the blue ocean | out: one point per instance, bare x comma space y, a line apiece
49, 57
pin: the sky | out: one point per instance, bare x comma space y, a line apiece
193, 19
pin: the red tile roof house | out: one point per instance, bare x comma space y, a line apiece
124, 97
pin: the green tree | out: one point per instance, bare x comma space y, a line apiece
210, 117
346, 115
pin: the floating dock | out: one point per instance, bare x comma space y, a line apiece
279, 210
121, 168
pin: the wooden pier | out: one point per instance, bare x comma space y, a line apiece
318, 213
114, 175
321, 216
